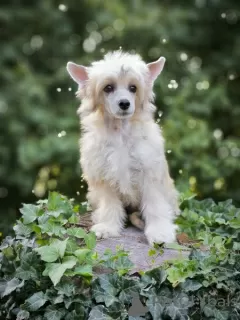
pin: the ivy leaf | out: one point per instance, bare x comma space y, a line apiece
155, 276
52, 252
55, 271
26, 270
121, 263
65, 288
109, 283
90, 240
116, 311
77, 315
100, 295
155, 306
58, 204
42, 201
79, 301
236, 246
235, 223
181, 300
191, 285
76, 232
221, 315
55, 201
60, 246
24, 274
172, 312
74, 218
35, 302
181, 270
85, 271
54, 314
58, 299
8, 253
52, 228
54, 213
72, 246
81, 254
208, 310
23, 315
48, 253
83, 208
8, 241
6, 287
221, 221
109, 299
29, 213
22, 230
128, 288
99, 313
97, 291
151, 252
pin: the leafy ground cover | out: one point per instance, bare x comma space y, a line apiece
48, 269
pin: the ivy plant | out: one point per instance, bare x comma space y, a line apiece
50, 268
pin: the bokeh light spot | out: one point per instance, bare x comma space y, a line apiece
89, 45
62, 7
118, 25
217, 133
36, 42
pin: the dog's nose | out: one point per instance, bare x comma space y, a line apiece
124, 104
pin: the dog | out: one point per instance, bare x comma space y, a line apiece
122, 148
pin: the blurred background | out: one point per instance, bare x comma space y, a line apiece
198, 93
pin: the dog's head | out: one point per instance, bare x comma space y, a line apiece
119, 84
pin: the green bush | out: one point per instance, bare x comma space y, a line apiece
198, 92
48, 270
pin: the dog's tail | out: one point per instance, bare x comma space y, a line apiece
135, 219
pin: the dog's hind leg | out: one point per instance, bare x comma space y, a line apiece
109, 214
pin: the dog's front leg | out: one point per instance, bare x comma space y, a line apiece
158, 215
109, 215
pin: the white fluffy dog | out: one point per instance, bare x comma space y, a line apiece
122, 148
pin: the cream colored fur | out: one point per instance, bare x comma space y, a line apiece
122, 153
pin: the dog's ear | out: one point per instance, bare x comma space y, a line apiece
77, 72
155, 68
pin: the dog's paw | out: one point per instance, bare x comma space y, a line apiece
103, 230
162, 231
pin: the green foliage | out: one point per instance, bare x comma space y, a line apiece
46, 268
53, 274
199, 111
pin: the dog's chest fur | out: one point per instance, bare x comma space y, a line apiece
121, 155
124, 161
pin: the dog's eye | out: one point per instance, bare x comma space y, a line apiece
132, 88
109, 88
